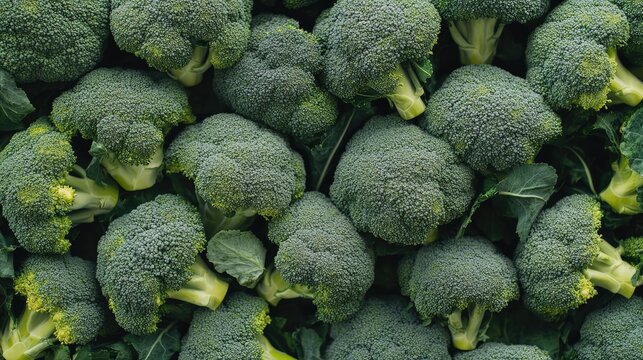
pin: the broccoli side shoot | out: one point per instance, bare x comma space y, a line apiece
321, 256
564, 258
631, 249
379, 49
240, 170
274, 82
63, 303
499, 351
387, 328
234, 331
43, 192
399, 183
183, 37
633, 10
476, 25
149, 255
461, 280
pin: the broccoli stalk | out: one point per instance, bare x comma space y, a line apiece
29, 337
204, 288
621, 193
215, 220
465, 331
274, 288
269, 351
610, 272
477, 39
407, 97
625, 87
90, 198
192, 73
130, 177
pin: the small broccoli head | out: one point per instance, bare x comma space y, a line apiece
375, 49
460, 280
149, 255
387, 329
499, 351
632, 249
52, 40
399, 183
274, 82
492, 119
633, 10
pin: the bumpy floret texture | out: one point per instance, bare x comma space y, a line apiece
633, 10
499, 351
399, 183
506, 11
52, 40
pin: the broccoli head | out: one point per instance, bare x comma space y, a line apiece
234, 331
44, 193
183, 37
127, 114
499, 351
460, 280
632, 250
274, 82
400, 183
572, 58
321, 256
387, 328
633, 10
63, 303
379, 49
52, 40
149, 255
492, 119
239, 169
564, 258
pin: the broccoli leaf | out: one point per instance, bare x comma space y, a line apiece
115, 351
632, 145
7, 246
161, 345
59, 353
14, 103
240, 254
310, 342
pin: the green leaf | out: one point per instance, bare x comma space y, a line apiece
60, 352
632, 145
114, 351
14, 103
95, 170
610, 123
7, 246
240, 254
310, 342
161, 345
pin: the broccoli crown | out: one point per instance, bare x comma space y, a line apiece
499, 351
386, 328
237, 165
492, 119
274, 82
632, 249
320, 249
399, 183
66, 289
633, 10
52, 40
505, 11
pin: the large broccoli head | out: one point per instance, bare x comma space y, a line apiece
379, 49
633, 10
149, 255
183, 37
460, 280
399, 183
127, 114
387, 328
492, 119
321, 256
572, 58
274, 82
499, 351
43, 192
52, 40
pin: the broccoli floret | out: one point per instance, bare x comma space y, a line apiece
613, 332
63, 303
499, 351
44, 193
572, 58
631, 249
274, 82
234, 331
379, 49
387, 328
493, 120
183, 37
476, 25
127, 114
633, 10
149, 255
52, 40
239, 169
461, 280
564, 258
399, 183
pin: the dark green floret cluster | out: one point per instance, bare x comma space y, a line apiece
499, 351
633, 9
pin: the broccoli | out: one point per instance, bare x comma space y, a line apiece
572, 58
491, 118
476, 25
149, 255
379, 49
239, 169
52, 40
274, 82
63, 303
564, 258
183, 37
234, 331
321, 256
399, 183
461, 280
631, 249
499, 351
633, 10
613, 332
386, 328
127, 114
44, 193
